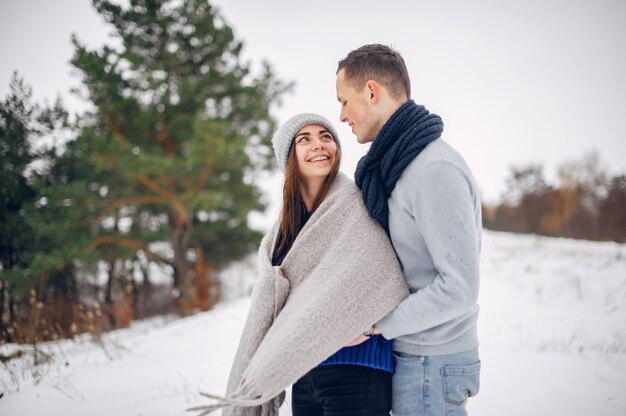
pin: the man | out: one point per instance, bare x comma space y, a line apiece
423, 193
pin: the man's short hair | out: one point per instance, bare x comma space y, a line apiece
379, 63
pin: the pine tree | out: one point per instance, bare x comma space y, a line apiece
27, 143
179, 131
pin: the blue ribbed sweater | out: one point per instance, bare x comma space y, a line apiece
376, 352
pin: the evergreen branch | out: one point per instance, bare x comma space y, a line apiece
159, 190
166, 181
44, 276
165, 139
128, 243
206, 171
117, 133
153, 185
182, 211
138, 200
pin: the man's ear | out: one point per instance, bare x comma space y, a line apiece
374, 89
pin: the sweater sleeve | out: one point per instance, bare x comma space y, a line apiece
442, 203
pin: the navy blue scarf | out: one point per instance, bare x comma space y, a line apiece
407, 132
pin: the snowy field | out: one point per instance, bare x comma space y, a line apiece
552, 330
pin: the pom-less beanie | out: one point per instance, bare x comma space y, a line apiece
283, 138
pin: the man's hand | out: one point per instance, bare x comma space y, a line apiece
362, 338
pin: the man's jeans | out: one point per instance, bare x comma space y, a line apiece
434, 385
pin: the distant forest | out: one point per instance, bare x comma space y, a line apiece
586, 203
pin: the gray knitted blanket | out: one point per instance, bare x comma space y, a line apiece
340, 276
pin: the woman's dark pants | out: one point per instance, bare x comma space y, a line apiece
342, 390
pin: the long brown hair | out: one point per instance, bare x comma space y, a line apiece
292, 213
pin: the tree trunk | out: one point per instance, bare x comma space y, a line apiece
142, 290
108, 294
203, 283
12, 319
3, 326
36, 309
184, 274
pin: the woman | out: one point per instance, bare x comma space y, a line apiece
328, 273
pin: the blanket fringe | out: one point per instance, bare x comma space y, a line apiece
206, 409
223, 402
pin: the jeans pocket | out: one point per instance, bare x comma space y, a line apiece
407, 383
459, 383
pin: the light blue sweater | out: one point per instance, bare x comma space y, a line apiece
435, 226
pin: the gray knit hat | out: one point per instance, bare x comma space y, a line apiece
283, 138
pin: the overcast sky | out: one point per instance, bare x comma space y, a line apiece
515, 82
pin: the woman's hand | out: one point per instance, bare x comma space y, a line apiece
358, 340
362, 338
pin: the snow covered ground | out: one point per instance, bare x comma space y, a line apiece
552, 328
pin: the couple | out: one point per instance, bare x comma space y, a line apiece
332, 295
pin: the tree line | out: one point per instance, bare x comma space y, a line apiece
160, 171
586, 202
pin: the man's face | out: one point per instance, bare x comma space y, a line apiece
357, 110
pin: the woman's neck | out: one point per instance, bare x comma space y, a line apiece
309, 190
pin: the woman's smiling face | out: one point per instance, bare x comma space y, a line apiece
315, 150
